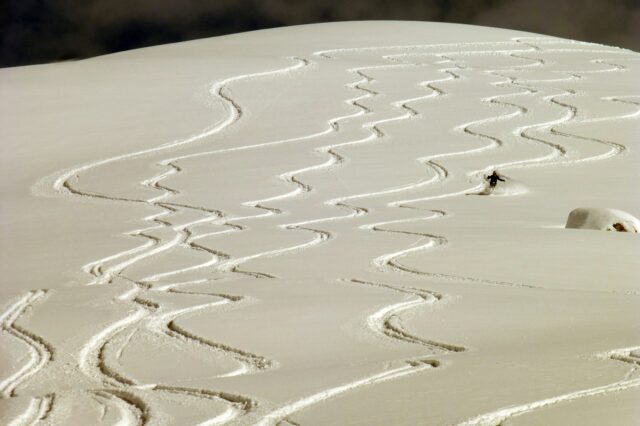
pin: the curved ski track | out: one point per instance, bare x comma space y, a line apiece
410, 367
627, 355
386, 320
37, 411
92, 354
40, 351
391, 260
380, 320
334, 160
92, 361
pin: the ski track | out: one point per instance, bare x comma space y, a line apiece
391, 260
132, 409
386, 320
37, 411
92, 362
334, 160
248, 362
410, 367
498, 417
40, 351
238, 404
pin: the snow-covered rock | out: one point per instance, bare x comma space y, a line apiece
603, 220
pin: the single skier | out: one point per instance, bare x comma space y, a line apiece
493, 179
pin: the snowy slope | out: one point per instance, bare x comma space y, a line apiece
293, 225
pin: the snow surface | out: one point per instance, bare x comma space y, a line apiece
273, 227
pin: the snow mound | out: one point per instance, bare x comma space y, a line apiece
603, 220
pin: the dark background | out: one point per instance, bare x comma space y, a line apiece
37, 31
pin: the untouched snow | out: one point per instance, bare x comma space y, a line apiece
603, 220
283, 227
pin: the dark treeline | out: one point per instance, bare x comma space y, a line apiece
38, 31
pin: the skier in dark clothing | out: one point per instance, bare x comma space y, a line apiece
493, 179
